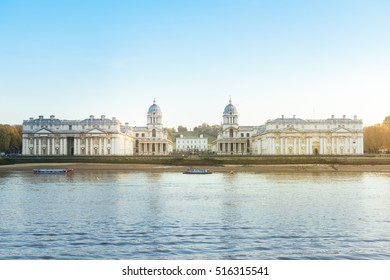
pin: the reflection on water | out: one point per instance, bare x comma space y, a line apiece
148, 215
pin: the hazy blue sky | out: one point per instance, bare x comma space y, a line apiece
308, 58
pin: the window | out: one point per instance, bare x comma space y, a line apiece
70, 127
230, 132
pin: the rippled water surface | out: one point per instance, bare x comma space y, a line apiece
145, 215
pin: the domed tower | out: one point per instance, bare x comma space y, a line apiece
230, 120
154, 116
230, 115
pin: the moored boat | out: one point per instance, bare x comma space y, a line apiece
52, 170
197, 171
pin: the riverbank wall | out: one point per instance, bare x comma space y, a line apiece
205, 160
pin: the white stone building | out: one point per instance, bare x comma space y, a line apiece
152, 139
191, 144
89, 137
290, 136
294, 136
233, 139
95, 137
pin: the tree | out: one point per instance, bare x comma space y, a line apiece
181, 128
386, 121
205, 128
376, 138
10, 138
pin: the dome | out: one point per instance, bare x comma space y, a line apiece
230, 109
154, 109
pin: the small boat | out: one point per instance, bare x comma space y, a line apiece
52, 171
197, 171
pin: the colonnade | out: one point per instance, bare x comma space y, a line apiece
232, 147
46, 145
149, 148
322, 145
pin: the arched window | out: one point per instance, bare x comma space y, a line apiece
231, 132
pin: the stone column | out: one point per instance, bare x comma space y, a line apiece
39, 146
295, 146
65, 146
86, 145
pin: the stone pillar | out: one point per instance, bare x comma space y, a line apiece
100, 146
285, 145
307, 146
295, 146
86, 145
65, 146
39, 146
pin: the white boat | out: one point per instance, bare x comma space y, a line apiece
52, 170
197, 171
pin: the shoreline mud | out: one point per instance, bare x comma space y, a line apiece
232, 168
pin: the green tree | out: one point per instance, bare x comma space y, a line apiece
10, 138
204, 128
181, 128
386, 121
376, 138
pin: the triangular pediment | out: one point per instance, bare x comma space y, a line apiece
43, 131
341, 130
290, 129
95, 131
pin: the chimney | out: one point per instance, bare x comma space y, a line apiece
41, 117
52, 117
294, 116
103, 117
332, 116
344, 116
31, 118
355, 117
282, 116
91, 117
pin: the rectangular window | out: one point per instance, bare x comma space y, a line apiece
70, 127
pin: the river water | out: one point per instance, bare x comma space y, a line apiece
167, 215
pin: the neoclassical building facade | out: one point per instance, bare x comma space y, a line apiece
95, 136
88, 137
290, 136
191, 144
233, 138
295, 136
152, 139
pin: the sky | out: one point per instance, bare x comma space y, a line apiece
312, 59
